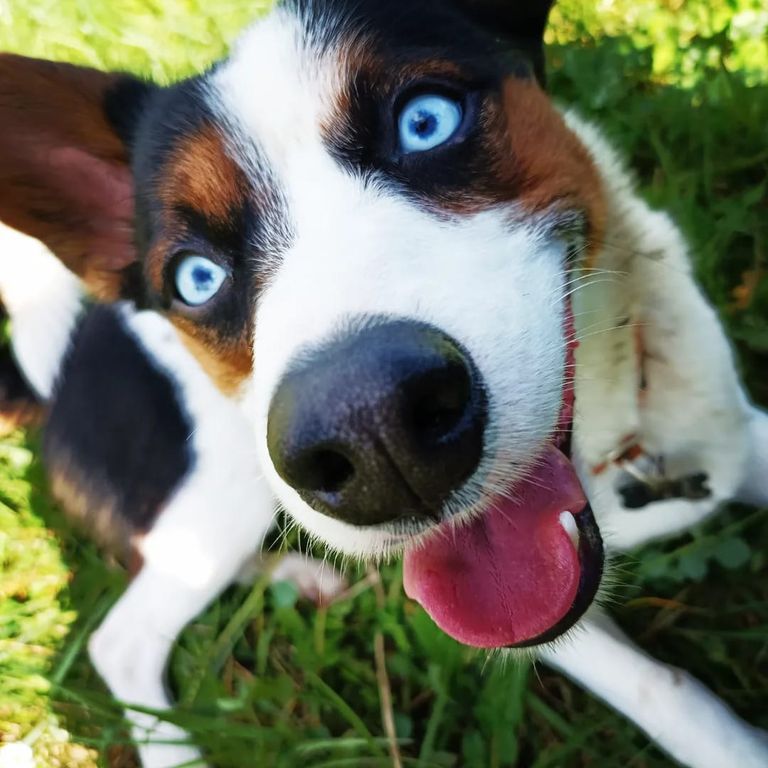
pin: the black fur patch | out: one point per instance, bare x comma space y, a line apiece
19, 404
14, 388
16, 394
117, 439
463, 30
124, 104
258, 225
470, 59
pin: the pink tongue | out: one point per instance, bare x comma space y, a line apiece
510, 575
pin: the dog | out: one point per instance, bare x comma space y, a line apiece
343, 271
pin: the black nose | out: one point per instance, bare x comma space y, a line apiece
381, 424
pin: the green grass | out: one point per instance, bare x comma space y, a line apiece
266, 680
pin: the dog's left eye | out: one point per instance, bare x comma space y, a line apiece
428, 121
198, 280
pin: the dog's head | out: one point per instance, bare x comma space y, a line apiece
364, 223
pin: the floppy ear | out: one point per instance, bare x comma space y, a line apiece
65, 176
521, 23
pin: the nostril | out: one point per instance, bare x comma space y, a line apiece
438, 402
322, 470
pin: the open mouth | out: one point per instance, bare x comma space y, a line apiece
525, 570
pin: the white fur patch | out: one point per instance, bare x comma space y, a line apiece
44, 298
361, 249
694, 412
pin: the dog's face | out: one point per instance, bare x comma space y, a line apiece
363, 223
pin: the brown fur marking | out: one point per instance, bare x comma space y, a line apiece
531, 159
64, 177
227, 361
201, 175
551, 165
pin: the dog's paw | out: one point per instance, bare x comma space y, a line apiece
315, 580
164, 747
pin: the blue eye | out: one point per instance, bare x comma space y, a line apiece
198, 280
428, 121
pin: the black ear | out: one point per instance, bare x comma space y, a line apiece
518, 24
65, 175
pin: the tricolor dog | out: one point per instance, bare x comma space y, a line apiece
349, 271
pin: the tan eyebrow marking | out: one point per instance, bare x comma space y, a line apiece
201, 175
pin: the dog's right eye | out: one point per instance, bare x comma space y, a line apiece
427, 121
198, 280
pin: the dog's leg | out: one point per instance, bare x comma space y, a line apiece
754, 489
665, 379
130, 651
674, 709
314, 579
190, 556
625, 529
